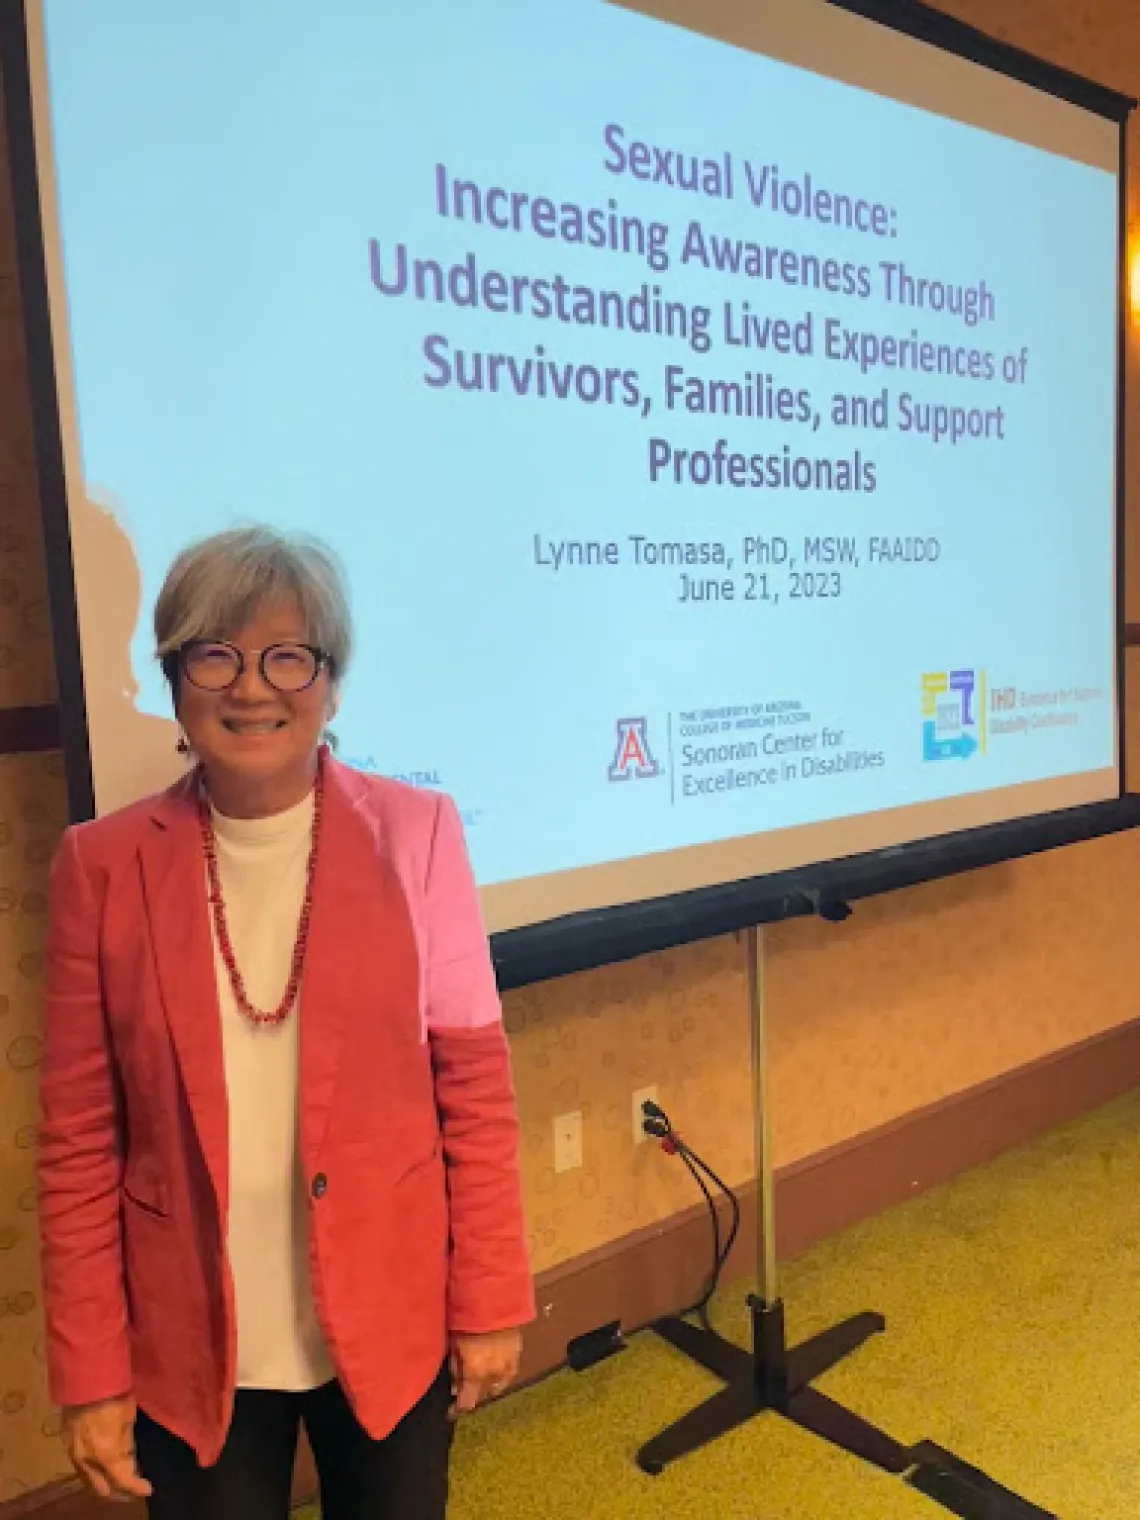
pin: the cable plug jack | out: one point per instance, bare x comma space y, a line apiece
659, 1128
657, 1123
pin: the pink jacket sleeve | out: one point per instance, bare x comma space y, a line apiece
80, 1155
490, 1285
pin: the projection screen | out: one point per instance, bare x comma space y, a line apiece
715, 407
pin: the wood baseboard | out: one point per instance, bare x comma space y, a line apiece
59, 1501
649, 1274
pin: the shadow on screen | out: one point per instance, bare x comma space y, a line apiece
133, 752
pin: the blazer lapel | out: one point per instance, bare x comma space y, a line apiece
345, 956
346, 948
175, 889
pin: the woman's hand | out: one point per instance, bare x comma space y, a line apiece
100, 1440
483, 1366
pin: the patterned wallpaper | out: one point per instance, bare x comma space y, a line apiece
32, 811
917, 997
676, 1021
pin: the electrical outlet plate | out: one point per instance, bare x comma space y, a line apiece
642, 1095
568, 1141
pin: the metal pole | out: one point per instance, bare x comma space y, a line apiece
765, 1196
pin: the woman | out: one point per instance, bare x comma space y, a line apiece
278, 1159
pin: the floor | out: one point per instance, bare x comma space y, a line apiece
1012, 1299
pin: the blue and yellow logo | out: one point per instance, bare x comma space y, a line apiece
953, 714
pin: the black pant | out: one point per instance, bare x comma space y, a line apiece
404, 1477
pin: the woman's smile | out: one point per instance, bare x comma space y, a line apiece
254, 727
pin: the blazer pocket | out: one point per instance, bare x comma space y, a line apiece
421, 1165
147, 1200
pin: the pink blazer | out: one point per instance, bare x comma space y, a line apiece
408, 1124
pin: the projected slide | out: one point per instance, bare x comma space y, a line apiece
716, 449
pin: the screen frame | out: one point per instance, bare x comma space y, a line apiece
914, 18
47, 430
581, 941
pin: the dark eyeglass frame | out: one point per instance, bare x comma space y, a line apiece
179, 661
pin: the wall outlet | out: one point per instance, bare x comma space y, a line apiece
642, 1095
568, 1141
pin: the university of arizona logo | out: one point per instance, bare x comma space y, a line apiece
633, 759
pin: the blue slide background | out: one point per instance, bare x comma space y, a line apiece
221, 170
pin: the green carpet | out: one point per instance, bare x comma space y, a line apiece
1012, 1299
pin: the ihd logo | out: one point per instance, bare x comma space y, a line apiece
953, 714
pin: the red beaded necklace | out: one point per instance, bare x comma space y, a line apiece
221, 927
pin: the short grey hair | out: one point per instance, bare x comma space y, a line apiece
218, 583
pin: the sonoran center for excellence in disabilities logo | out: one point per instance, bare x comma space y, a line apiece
953, 714
633, 760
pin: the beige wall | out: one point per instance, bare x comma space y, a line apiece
919, 996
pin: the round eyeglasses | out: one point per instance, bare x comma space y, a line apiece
213, 665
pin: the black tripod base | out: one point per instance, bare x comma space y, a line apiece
772, 1378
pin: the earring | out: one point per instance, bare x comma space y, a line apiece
183, 745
